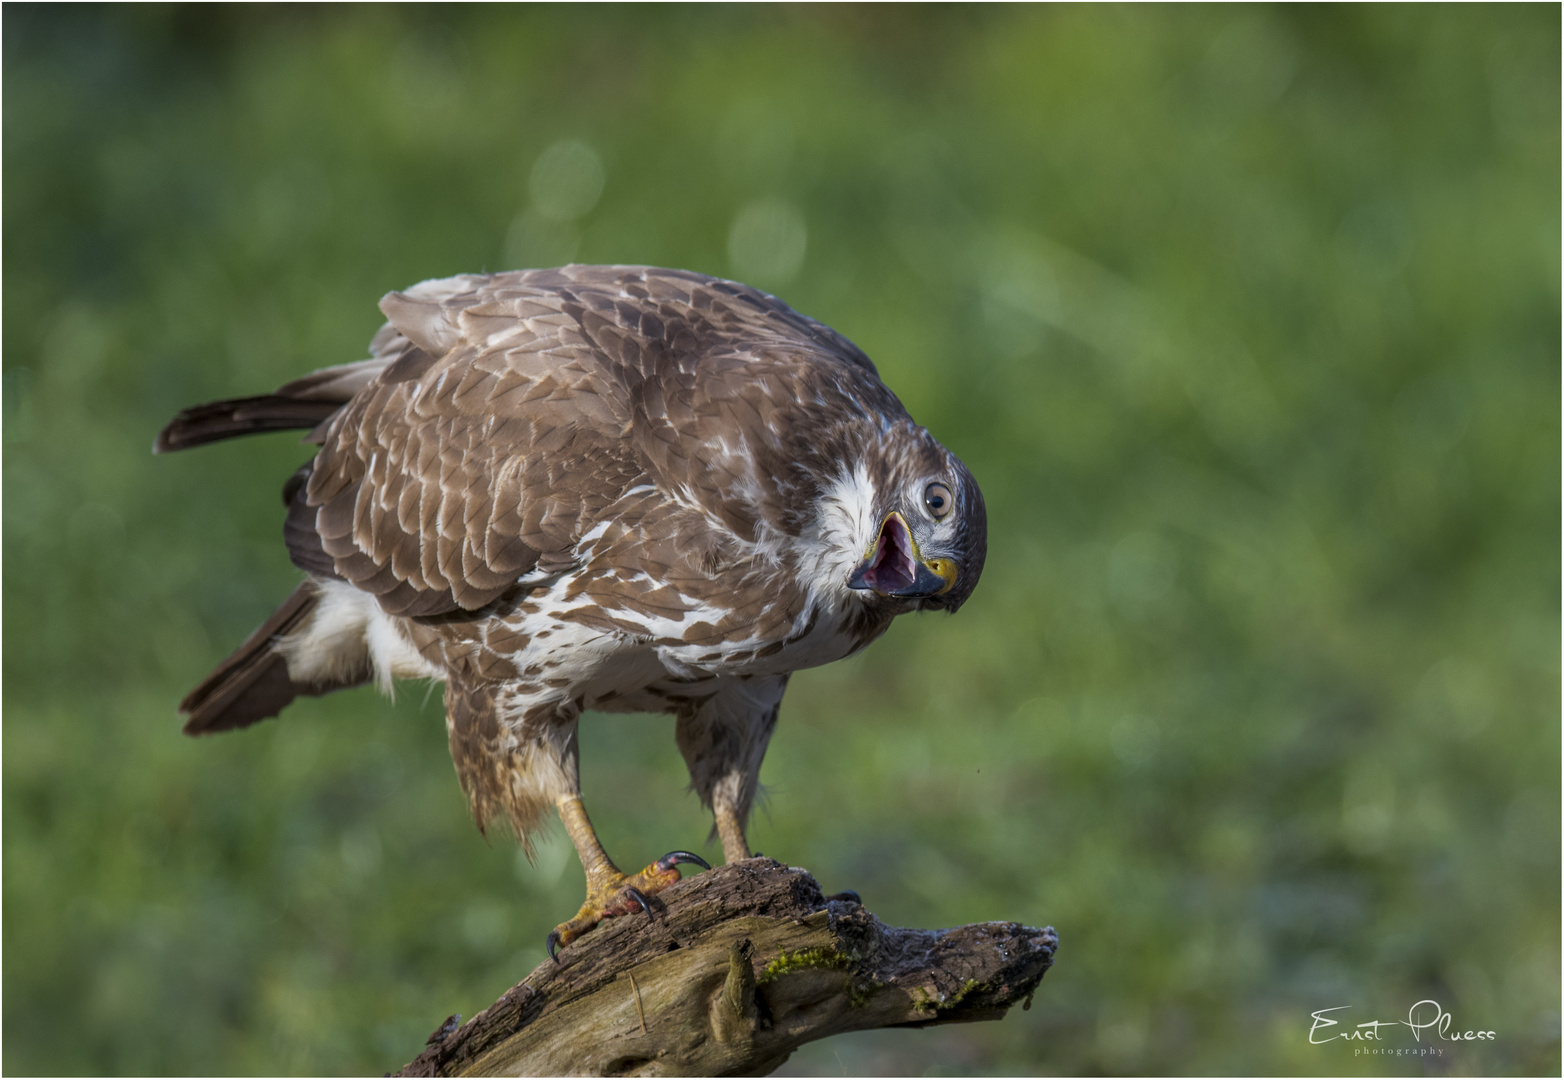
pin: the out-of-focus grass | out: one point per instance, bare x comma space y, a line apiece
1246, 319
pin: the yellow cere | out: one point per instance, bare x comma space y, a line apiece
945, 568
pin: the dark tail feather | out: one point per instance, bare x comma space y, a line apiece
302, 403
253, 683
219, 420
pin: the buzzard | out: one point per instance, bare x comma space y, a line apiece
616, 488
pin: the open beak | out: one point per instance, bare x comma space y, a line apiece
893, 567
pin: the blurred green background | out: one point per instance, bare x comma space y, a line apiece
1247, 320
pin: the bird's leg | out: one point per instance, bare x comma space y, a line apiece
608, 892
730, 830
723, 740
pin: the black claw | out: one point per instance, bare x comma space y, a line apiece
640, 898
847, 894
674, 858
553, 943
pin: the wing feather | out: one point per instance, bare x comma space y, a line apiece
502, 418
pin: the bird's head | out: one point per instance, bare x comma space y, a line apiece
927, 529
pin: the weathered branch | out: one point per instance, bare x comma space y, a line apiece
737, 968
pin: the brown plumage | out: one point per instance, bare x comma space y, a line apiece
611, 488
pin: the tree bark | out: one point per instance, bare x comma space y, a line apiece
735, 969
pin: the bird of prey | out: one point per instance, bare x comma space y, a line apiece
609, 488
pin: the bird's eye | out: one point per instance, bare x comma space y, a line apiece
939, 500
